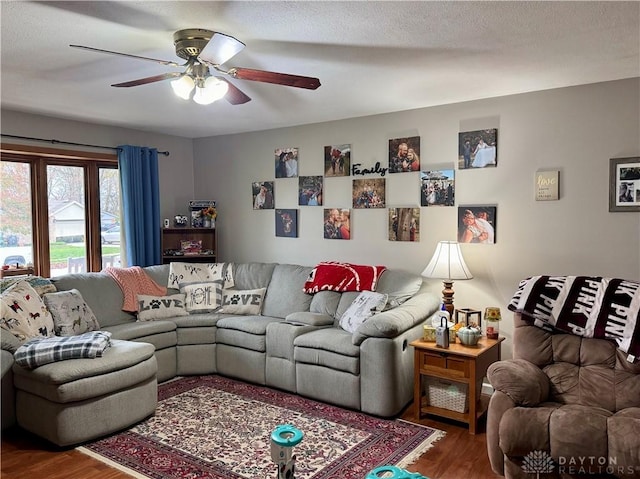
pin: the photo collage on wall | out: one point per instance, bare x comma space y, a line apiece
437, 187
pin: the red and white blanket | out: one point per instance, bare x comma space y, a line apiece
336, 276
591, 307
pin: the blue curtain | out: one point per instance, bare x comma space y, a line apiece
141, 204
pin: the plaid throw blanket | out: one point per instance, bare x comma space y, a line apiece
39, 351
591, 307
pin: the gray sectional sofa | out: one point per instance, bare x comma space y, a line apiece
295, 344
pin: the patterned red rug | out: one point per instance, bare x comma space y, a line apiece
217, 428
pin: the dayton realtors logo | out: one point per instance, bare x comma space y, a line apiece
539, 462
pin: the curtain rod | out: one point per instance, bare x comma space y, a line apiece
58, 142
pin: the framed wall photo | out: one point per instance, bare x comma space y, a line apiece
437, 188
310, 190
477, 149
404, 154
337, 160
477, 224
369, 193
263, 195
624, 184
286, 162
337, 223
404, 224
287, 223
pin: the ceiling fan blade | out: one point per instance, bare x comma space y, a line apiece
234, 95
273, 77
144, 81
221, 48
162, 62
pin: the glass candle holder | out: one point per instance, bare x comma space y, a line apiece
492, 319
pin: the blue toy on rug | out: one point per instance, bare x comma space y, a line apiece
393, 472
283, 440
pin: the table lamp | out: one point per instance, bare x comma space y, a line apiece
447, 264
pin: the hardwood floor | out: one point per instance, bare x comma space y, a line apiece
457, 455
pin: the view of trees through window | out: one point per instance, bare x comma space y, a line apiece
60, 190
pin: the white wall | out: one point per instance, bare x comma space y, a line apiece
175, 171
576, 130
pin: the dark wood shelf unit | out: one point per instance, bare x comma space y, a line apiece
171, 238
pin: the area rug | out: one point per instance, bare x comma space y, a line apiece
214, 427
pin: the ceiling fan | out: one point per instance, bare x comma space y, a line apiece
204, 50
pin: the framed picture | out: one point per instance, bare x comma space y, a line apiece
337, 160
287, 223
477, 224
624, 184
369, 193
437, 188
477, 149
404, 224
337, 223
404, 155
310, 190
286, 162
263, 195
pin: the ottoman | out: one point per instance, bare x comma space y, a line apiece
73, 401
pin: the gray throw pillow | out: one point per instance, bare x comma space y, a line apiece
71, 315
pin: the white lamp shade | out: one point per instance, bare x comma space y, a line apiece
447, 263
183, 86
212, 90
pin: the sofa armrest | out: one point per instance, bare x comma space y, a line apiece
310, 319
525, 383
393, 322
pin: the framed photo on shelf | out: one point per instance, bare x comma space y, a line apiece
624, 184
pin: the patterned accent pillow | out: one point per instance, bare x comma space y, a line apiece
182, 274
336, 276
40, 284
24, 314
242, 302
203, 297
71, 315
161, 307
363, 307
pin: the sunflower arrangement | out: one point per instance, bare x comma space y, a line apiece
209, 213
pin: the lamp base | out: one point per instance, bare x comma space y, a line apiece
447, 297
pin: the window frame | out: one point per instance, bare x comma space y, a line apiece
38, 159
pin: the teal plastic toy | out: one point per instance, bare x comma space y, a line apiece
283, 440
396, 473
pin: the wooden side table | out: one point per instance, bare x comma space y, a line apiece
461, 364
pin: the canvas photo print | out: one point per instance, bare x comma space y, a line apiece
477, 224
477, 149
369, 193
437, 188
310, 190
337, 223
404, 155
287, 223
404, 224
263, 195
337, 160
286, 162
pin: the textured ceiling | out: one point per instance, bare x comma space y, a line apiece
371, 57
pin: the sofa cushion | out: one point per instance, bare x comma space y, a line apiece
242, 301
578, 431
328, 347
24, 314
71, 314
399, 285
8, 341
624, 440
203, 297
325, 302
161, 307
363, 307
135, 330
309, 318
284, 295
100, 292
252, 275
248, 332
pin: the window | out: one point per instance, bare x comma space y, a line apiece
56, 208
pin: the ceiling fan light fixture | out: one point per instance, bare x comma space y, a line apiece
183, 86
212, 90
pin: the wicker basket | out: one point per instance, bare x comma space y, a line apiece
447, 394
